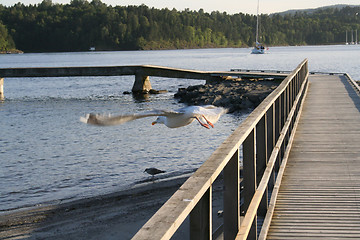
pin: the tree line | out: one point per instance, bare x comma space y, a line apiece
82, 24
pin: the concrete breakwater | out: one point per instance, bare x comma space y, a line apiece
235, 94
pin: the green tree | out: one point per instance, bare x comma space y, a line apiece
6, 41
83, 24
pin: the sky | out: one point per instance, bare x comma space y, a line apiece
229, 6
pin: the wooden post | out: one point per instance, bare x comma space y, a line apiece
1, 89
142, 83
283, 119
232, 197
249, 167
270, 127
201, 218
261, 161
277, 119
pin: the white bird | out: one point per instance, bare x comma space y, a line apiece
205, 115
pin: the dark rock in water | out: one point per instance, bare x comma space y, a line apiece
153, 91
234, 94
144, 92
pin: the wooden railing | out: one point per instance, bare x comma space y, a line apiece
353, 83
264, 137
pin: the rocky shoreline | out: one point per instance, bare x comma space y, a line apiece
234, 94
11, 51
117, 215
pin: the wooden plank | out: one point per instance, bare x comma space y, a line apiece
320, 196
299, 101
249, 179
232, 197
201, 218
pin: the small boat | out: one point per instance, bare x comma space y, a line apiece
259, 48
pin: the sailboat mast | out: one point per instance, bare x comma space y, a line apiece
257, 22
346, 38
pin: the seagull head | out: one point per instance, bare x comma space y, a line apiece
160, 119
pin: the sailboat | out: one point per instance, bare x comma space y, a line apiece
259, 48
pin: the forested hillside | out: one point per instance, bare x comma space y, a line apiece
81, 24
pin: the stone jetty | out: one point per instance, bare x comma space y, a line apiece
234, 94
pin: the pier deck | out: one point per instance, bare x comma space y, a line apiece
319, 195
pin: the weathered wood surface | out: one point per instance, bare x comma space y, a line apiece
319, 196
141, 70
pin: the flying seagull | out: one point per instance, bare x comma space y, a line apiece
205, 115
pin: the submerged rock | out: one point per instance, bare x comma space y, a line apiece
233, 94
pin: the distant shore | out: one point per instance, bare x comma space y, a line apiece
12, 51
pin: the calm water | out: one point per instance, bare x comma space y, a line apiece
47, 155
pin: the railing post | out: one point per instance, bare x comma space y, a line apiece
270, 119
261, 160
277, 119
287, 111
201, 218
1, 89
283, 119
249, 168
232, 197
292, 92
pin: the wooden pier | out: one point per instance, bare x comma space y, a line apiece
319, 195
301, 169
141, 73
300, 153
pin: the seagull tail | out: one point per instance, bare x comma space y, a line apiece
91, 119
85, 119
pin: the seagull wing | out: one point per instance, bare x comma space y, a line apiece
210, 112
214, 113
106, 120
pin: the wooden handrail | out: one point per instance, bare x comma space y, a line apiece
263, 185
353, 83
257, 135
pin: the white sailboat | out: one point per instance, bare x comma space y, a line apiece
259, 48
